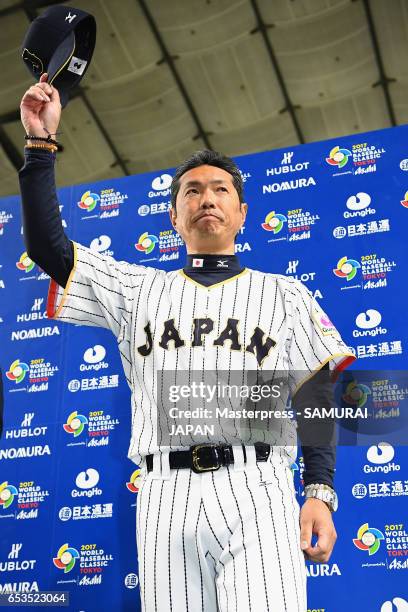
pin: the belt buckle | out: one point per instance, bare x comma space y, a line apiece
197, 467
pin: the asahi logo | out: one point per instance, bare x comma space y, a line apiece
87, 581
27, 514
171, 257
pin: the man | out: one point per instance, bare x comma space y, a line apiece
218, 526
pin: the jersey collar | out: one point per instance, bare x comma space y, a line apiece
218, 264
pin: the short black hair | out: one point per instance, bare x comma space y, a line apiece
206, 157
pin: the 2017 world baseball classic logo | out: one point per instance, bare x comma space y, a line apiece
28, 269
92, 430
87, 562
32, 376
162, 247
22, 502
392, 541
362, 158
103, 205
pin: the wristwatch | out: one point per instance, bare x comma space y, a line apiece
324, 493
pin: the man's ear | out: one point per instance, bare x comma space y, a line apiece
173, 215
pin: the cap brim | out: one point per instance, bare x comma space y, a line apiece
61, 57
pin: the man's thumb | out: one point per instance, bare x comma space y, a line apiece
305, 536
43, 77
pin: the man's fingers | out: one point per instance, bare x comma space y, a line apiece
33, 94
305, 535
323, 548
315, 553
44, 88
50, 90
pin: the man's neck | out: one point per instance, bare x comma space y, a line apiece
211, 249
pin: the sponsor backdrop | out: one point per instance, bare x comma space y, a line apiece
332, 214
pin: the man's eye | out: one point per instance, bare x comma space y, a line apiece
223, 188
192, 189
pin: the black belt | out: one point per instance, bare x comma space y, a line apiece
208, 457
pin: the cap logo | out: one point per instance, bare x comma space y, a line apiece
34, 61
70, 17
77, 65
198, 263
222, 263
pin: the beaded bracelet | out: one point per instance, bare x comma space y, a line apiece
42, 138
45, 145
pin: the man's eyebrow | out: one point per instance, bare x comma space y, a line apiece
198, 183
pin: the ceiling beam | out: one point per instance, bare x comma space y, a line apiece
11, 150
10, 117
384, 80
28, 5
202, 133
289, 107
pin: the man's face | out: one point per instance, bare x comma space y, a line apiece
208, 212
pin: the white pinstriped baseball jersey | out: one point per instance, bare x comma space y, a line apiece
166, 321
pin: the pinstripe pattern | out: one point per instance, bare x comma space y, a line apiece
227, 540
235, 552
126, 298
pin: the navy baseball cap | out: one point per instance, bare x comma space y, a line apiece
60, 42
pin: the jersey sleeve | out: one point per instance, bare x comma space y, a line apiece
314, 341
100, 291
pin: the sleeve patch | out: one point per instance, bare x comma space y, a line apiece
323, 323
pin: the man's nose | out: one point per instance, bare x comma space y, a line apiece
207, 199
206, 203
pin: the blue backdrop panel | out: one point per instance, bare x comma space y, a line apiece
331, 214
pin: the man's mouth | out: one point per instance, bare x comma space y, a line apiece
208, 216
